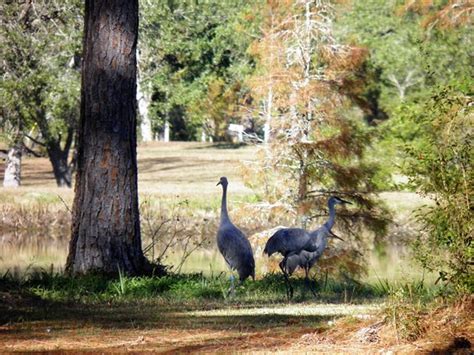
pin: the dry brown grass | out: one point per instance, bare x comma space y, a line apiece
189, 168
175, 168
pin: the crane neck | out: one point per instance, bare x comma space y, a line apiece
332, 215
224, 214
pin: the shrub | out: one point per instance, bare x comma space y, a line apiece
441, 167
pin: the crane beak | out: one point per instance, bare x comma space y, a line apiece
219, 183
347, 202
337, 237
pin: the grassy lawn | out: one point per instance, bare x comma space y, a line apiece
190, 169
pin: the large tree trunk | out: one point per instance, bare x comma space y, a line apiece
12, 176
106, 226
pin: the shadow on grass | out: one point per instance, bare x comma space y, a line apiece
221, 145
138, 315
159, 165
110, 327
170, 301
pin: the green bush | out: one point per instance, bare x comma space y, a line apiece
440, 166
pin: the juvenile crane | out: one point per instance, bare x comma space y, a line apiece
301, 248
233, 244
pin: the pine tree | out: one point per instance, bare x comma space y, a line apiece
106, 224
317, 142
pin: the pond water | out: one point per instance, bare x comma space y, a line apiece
21, 252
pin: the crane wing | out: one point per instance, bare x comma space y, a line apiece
236, 250
286, 240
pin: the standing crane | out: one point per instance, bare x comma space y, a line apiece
301, 248
233, 244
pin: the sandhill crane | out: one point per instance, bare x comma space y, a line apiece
233, 244
300, 247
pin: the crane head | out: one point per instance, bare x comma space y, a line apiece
223, 181
338, 200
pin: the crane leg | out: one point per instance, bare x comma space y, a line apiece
289, 288
231, 291
308, 282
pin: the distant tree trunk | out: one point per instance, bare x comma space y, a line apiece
61, 168
106, 226
166, 133
143, 100
12, 176
58, 156
57, 148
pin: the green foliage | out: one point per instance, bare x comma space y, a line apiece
410, 56
39, 48
425, 54
440, 166
426, 89
194, 62
36, 49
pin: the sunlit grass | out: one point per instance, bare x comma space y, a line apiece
189, 169
300, 309
396, 265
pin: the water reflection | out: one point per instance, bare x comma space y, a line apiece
21, 251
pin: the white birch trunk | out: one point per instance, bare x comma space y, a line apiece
143, 109
12, 177
143, 102
166, 133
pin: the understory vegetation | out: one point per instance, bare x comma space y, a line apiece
177, 288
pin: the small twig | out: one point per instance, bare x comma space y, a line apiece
65, 204
31, 151
35, 140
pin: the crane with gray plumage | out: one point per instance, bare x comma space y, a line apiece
301, 248
233, 244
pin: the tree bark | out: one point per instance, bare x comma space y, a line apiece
12, 176
106, 226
